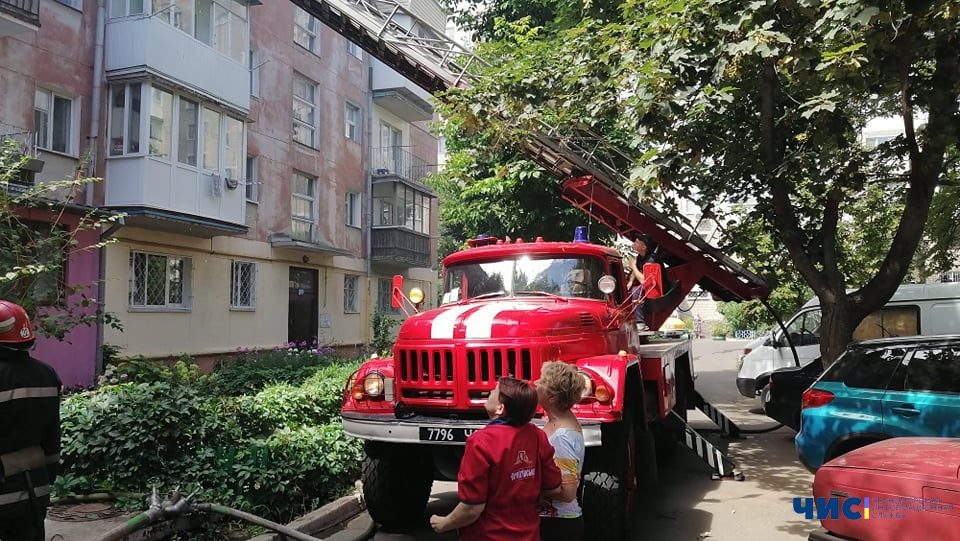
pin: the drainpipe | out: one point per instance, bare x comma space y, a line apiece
370, 210
94, 136
102, 288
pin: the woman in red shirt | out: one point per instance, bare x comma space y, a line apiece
506, 467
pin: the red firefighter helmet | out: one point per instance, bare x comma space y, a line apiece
15, 329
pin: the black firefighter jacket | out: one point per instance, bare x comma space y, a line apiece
29, 431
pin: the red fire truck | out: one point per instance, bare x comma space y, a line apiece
509, 306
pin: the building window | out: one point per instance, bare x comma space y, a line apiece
159, 281
254, 67
243, 285
125, 119
221, 25
211, 140
304, 110
354, 50
161, 123
53, 121
75, 4
384, 292
391, 149
305, 30
354, 206
351, 288
416, 210
302, 207
252, 175
231, 162
187, 134
351, 122
124, 8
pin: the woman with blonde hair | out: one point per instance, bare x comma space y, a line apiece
560, 387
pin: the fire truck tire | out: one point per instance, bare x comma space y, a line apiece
396, 484
607, 490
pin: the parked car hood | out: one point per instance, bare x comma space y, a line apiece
938, 457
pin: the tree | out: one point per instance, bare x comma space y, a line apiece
39, 229
760, 103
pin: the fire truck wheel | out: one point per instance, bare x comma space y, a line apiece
609, 482
396, 484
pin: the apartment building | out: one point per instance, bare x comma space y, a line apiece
269, 172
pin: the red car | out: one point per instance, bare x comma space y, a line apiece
896, 489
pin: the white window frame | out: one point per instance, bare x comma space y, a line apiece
237, 285
252, 184
303, 100
354, 50
354, 209
51, 123
352, 121
186, 265
351, 294
311, 30
311, 198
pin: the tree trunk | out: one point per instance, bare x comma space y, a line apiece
836, 328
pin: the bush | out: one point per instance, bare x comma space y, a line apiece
721, 328
277, 452
251, 369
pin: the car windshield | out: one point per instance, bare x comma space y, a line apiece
574, 277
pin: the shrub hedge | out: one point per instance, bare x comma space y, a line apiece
276, 450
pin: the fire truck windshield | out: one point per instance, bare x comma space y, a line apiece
574, 277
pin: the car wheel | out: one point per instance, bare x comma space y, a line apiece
765, 396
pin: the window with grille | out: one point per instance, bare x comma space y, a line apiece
351, 288
159, 281
952, 276
384, 291
304, 110
243, 285
302, 211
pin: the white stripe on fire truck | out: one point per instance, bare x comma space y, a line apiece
480, 323
443, 324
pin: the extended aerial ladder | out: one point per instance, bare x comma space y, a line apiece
593, 170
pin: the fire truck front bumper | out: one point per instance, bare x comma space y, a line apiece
431, 430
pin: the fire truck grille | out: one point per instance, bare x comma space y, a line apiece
426, 365
486, 365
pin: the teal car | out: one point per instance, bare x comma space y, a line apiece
880, 389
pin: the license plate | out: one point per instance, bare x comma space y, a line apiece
445, 434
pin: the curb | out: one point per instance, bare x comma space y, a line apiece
331, 514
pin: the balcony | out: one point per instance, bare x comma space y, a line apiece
395, 163
397, 247
18, 16
398, 95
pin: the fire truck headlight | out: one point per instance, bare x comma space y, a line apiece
416, 295
607, 284
588, 385
373, 384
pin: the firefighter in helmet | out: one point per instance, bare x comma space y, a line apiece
29, 429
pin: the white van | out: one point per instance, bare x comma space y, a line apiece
915, 309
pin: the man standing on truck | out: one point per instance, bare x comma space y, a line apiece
646, 253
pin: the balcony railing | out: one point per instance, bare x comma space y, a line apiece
27, 11
397, 162
400, 246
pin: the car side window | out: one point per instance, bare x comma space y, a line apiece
866, 369
934, 370
804, 330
